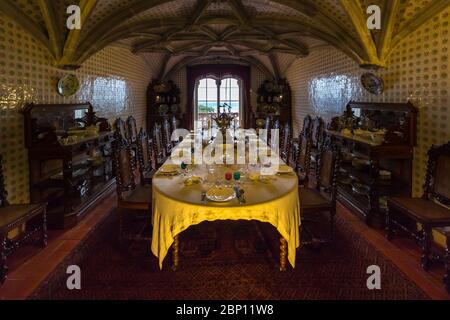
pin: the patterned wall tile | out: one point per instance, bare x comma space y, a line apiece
325, 81
114, 81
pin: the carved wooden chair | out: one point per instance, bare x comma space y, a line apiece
276, 124
131, 129
317, 136
431, 210
303, 159
121, 129
146, 157
174, 122
267, 123
132, 136
158, 145
33, 216
167, 136
131, 197
307, 126
266, 127
285, 142
322, 198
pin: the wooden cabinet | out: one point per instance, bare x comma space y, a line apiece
274, 101
163, 102
69, 151
376, 142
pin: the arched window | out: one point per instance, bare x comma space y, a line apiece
212, 94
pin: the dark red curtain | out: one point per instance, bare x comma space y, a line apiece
197, 72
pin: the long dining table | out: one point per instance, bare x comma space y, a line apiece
179, 202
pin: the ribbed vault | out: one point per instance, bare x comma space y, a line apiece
263, 33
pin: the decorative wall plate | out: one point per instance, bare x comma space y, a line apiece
68, 85
372, 83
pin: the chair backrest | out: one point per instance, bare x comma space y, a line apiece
303, 153
120, 128
146, 156
285, 141
267, 124
123, 165
326, 175
437, 181
3, 192
167, 134
307, 126
158, 141
174, 122
276, 124
132, 129
317, 130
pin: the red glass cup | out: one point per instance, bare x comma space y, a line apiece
228, 176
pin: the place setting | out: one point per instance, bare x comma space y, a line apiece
224, 190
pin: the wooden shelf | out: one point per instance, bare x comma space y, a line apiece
61, 217
47, 157
395, 156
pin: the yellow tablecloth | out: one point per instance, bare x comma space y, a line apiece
176, 207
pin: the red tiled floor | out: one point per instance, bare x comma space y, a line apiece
31, 265
404, 254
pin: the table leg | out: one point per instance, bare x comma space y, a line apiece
283, 254
175, 253
3, 267
447, 265
426, 246
44, 229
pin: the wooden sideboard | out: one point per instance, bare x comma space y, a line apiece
69, 162
362, 186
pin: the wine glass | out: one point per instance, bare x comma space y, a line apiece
228, 177
184, 167
237, 177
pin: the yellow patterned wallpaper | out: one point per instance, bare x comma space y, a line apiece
419, 70
114, 81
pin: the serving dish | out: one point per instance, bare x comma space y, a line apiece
360, 164
360, 189
385, 175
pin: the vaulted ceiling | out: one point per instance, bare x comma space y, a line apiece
262, 33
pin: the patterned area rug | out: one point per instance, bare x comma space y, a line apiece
227, 260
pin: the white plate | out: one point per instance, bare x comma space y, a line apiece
285, 169
220, 194
168, 168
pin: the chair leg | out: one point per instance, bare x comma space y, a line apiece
426, 246
447, 266
3, 267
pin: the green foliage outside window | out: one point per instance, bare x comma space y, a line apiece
205, 109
